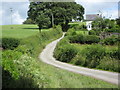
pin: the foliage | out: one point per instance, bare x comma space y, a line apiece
36, 74
66, 52
118, 21
115, 29
28, 21
108, 63
88, 39
43, 21
93, 55
101, 23
8, 62
110, 40
92, 32
20, 65
55, 12
78, 60
79, 38
70, 32
10, 43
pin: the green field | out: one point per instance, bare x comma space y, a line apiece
19, 31
79, 23
39, 73
82, 32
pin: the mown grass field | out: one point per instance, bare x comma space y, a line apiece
41, 73
19, 31
79, 23
82, 32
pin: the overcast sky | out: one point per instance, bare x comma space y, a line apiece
108, 8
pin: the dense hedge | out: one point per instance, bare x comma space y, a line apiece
89, 39
92, 32
65, 52
110, 40
92, 56
84, 39
10, 43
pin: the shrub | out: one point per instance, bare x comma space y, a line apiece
65, 53
92, 32
10, 43
70, 32
110, 40
91, 39
88, 39
108, 63
115, 29
8, 58
114, 54
93, 55
79, 38
78, 60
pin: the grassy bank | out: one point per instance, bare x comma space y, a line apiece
23, 69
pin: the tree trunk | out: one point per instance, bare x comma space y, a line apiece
39, 29
52, 19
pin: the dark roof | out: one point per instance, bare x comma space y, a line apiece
92, 17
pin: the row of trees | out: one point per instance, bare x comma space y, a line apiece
49, 14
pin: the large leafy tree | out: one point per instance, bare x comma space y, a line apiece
54, 13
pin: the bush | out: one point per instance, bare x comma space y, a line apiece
88, 39
115, 29
10, 43
79, 38
91, 39
78, 60
70, 32
110, 40
93, 55
108, 63
114, 54
8, 58
65, 53
92, 32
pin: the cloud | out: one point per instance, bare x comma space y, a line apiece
19, 13
14, 1
97, 1
18, 19
107, 8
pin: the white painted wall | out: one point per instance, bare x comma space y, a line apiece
89, 25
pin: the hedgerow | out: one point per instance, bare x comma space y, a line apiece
10, 43
20, 66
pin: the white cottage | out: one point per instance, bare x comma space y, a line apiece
90, 18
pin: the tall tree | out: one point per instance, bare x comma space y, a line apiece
55, 12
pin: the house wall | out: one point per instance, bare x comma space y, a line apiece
89, 25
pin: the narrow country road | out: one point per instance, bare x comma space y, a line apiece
47, 57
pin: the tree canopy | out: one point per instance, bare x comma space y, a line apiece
48, 14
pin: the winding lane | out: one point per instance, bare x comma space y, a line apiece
47, 57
